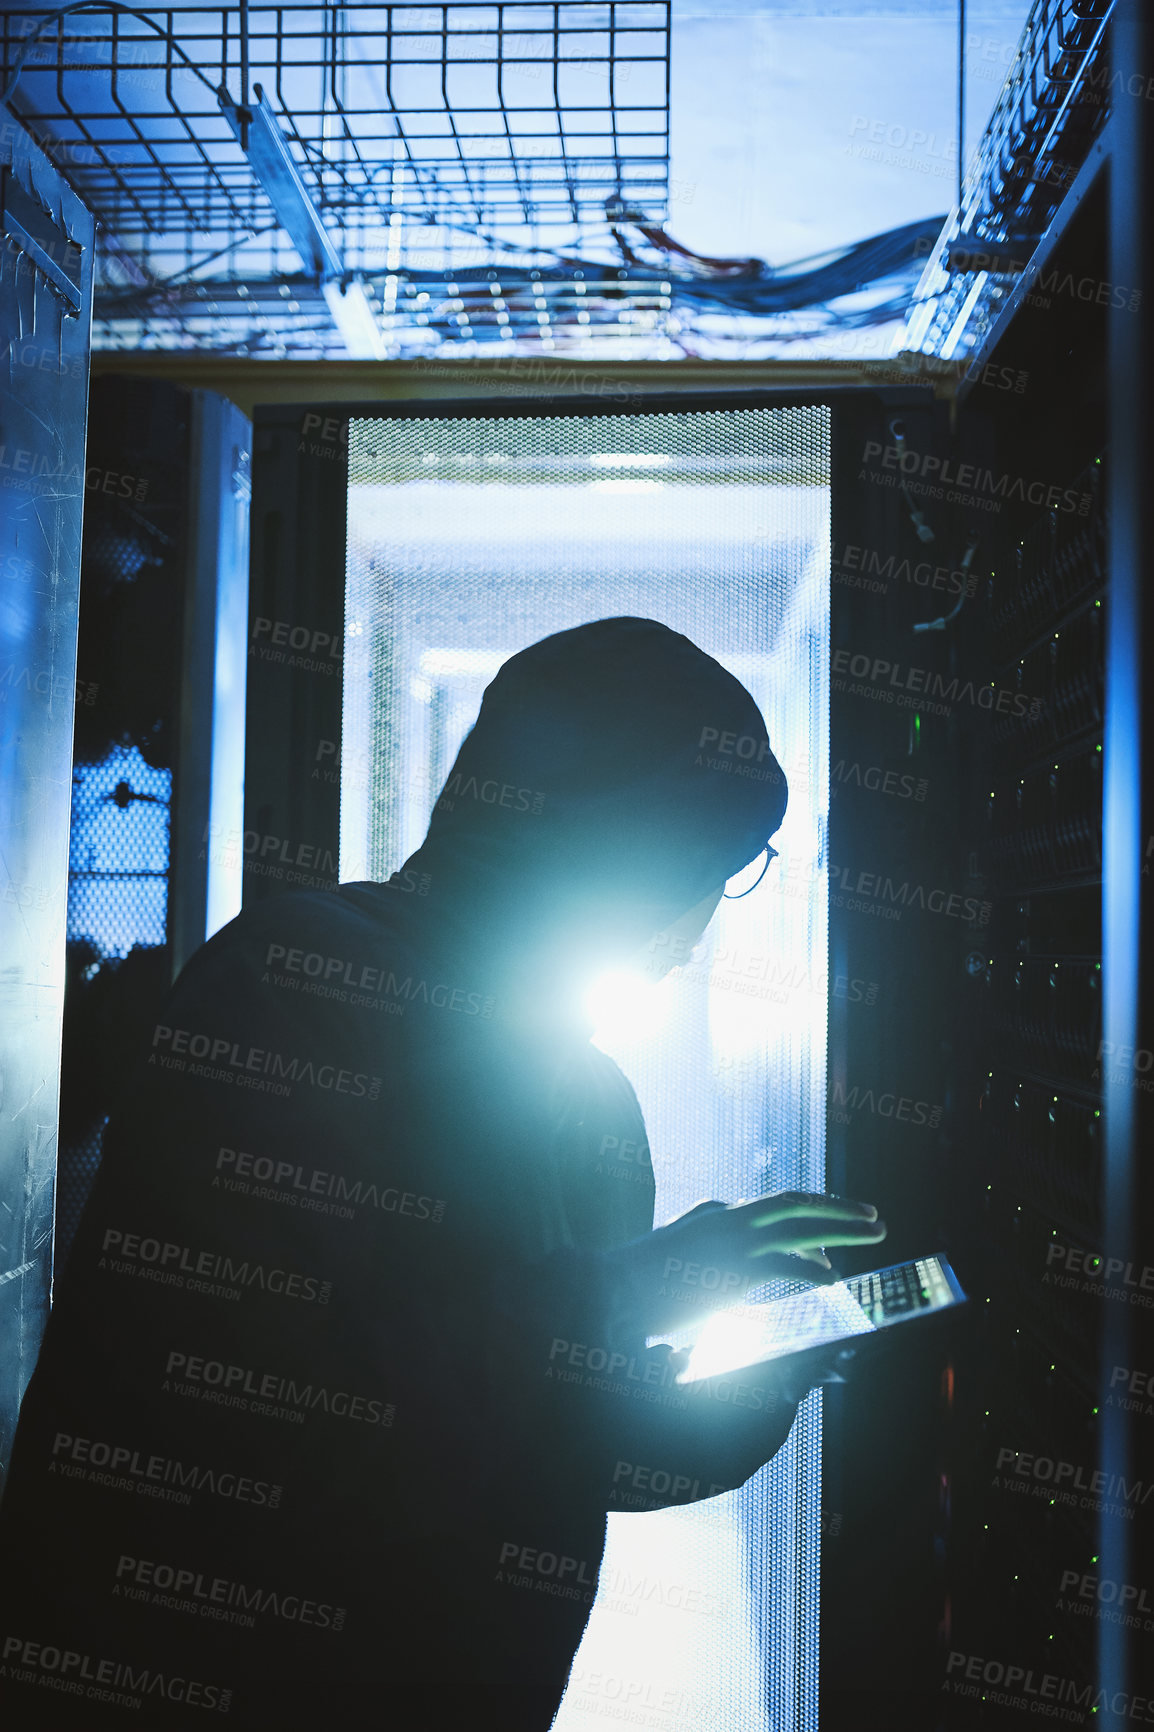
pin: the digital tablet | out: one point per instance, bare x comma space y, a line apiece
844, 1311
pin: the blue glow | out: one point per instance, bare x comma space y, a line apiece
118, 857
445, 579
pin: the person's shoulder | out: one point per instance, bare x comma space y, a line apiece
598, 1081
304, 931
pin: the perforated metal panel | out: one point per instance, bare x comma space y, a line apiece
468, 539
118, 871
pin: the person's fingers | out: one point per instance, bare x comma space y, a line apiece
815, 1236
805, 1205
771, 1265
815, 1257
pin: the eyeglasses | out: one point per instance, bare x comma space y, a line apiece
770, 854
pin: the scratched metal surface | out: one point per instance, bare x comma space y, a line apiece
46, 247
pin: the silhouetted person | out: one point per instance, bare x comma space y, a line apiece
324, 1428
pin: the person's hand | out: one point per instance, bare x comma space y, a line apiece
743, 1420
713, 1255
731, 1425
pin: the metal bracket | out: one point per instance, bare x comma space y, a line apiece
29, 226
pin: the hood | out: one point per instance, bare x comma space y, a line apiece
615, 775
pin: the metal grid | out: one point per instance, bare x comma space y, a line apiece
118, 865
518, 116
418, 312
1053, 103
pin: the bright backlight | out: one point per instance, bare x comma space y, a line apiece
753, 1334
623, 1005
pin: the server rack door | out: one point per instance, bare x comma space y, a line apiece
411, 554
45, 326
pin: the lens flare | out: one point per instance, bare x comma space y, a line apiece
624, 1005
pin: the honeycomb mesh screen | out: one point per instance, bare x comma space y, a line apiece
118, 863
469, 538
118, 852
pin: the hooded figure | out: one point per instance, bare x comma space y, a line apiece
314, 1437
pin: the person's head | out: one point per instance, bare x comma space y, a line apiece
669, 948
615, 778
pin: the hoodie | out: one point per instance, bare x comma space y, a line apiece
332, 1401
